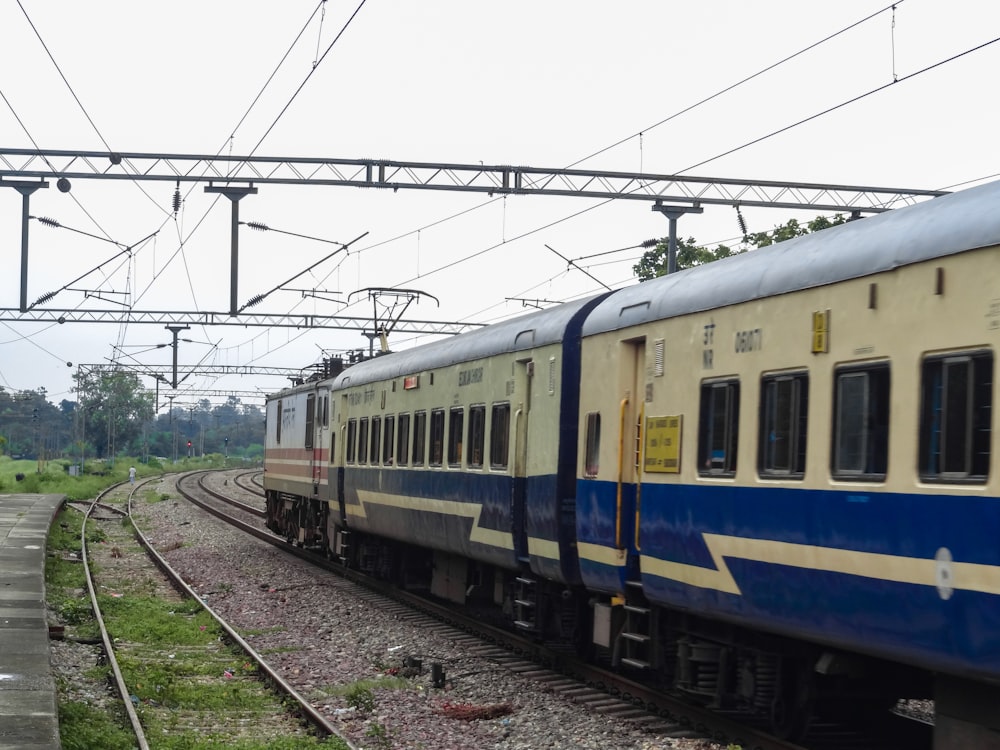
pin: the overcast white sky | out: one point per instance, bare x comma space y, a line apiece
543, 83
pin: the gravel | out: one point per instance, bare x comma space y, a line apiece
325, 640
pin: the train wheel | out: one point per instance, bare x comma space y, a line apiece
792, 707
789, 721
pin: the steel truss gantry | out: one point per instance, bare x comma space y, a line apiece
232, 171
243, 320
27, 170
236, 177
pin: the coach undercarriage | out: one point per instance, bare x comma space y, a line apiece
711, 662
725, 666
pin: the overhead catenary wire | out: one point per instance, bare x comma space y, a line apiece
716, 157
841, 105
742, 81
283, 110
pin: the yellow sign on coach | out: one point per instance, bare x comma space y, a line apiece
663, 445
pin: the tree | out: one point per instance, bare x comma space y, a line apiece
791, 229
114, 406
30, 425
654, 262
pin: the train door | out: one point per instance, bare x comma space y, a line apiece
341, 448
632, 394
315, 465
524, 370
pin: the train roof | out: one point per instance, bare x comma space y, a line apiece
516, 334
943, 226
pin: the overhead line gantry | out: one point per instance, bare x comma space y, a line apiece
235, 177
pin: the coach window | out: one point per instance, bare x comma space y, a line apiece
352, 431
388, 440
718, 428
376, 438
437, 437
956, 415
310, 419
861, 423
419, 437
403, 440
477, 436
499, 436
363, 441
592, 458
456, 423
784, 405
277, 424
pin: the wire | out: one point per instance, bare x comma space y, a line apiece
685, 110
272, 126
308, 76
749, 78
270, 78
841, 105
65, 80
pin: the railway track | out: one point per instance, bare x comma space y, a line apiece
250, 481
190, 674
602, 690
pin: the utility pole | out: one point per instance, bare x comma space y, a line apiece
173, 432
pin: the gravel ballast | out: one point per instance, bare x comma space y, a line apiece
325, 640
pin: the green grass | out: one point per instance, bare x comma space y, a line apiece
185, 672
83, 728
155, 622
52, 477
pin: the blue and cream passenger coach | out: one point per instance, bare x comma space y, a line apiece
799, 439
769, 482
466, 447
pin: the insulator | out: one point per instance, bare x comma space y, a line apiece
258, 226
48, 222
650, 243
177, 199
742, 221
255, 301
45, 298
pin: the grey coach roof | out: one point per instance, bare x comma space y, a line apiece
517, 334
943, 226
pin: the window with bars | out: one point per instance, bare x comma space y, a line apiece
592, 454
352, 436
363, 440
718, 428
499, 436
310, 420
477, 436
456, 425
403, 440
376, 439
784, 407
419, 438
437, 437
956, 417
861, 422
389, 440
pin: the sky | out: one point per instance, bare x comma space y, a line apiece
851, 92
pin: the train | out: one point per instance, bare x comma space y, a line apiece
766, 482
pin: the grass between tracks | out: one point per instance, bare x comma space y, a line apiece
190, 689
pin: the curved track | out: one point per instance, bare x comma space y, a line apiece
298, 708
601, 689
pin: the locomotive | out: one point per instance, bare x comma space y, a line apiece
767, 481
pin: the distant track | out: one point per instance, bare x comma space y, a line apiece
292, 706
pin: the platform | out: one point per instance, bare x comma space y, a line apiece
28, 716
